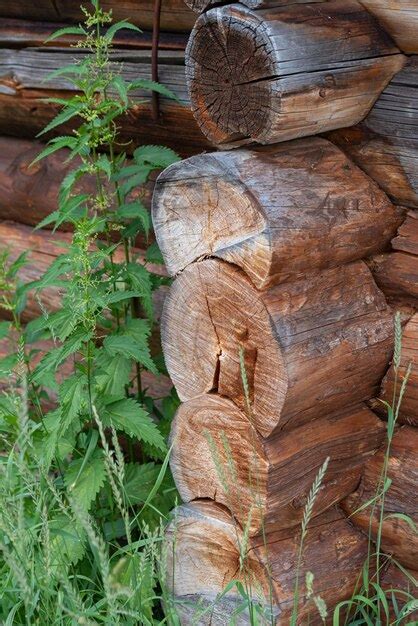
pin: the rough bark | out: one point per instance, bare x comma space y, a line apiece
285, 74
276, 212
385, 145
44, 247
398, 537
398, 18
218, 454
175, 15
396, 274
206, 557
22, 85
408, 412
310, 347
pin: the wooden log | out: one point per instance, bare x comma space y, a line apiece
398, 582
398, 537
276, 212
175, 16
408, 412
44, 247
385, 145
310, 346
22, 114
217, 454
396, 274
287, 74
205, 558
398, 17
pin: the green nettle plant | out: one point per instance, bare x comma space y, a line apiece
84, 484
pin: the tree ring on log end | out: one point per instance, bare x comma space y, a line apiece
229, 64
211, 315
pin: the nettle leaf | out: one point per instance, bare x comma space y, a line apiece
54, 145
68, 541
114, 373
150, 85
60, 266
17, 264
154, 255
127, 415
53, 359
135, 210
84, 480
68, 30
140, 279
72, 398
139, 481
122, 25
132, 342
71, 110
158, 156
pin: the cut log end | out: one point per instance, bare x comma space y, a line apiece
229, 95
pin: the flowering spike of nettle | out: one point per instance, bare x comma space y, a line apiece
280, 73
218, 454
310, 346
277, 211
208, 551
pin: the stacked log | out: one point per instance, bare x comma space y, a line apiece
24, 68
286, 74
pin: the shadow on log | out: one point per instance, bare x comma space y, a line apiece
205, 558
276, 212
398, 537
385, 145
310, 346
217, 454
287, 74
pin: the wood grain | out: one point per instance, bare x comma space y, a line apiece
175, 15
22, 86
276, 212
311, 346
206, 557
385, 145
398, 538
275, 74
217, 454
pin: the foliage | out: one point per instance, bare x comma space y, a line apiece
84, 479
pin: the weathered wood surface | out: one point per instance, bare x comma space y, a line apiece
43, 249
217, 454
22, 84
394, 580
398, 17
15, 33
398, 538
29, 192
286, 74
310, 346
277, 212
206, 557
396, 274
408, 412
385, 145
175, 15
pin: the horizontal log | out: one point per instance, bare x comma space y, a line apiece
399, 581
44, 247
15, 33
218, 455
396, 274
205, 558
385, 145
286, 74
276, 212
408, 412
22, 85
398, 537
310, 346
175, 16
398, 18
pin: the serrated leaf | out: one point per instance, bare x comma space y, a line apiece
139, 279
67, 542
132, 342
114, 374
122, 25
154, 255
158, 156
63, 116
129, 416
67, 30
135, 210
4, 329
54, 145
150, 85
139, 481
84, 485
72, 398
